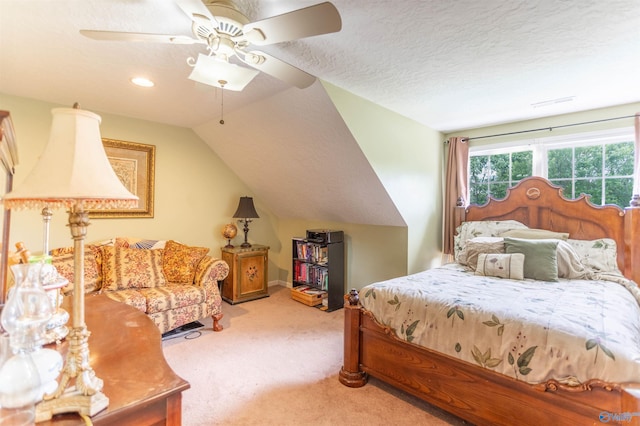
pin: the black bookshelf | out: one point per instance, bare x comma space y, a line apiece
318, 262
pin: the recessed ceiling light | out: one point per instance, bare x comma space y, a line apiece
142, 82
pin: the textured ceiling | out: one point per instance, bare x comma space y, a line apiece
450, 65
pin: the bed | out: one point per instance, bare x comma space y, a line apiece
488, 380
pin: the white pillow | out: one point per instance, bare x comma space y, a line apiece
501, 265
475, 246
483, 228
569, 264
597, 255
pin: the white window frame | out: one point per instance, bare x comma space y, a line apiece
540, 146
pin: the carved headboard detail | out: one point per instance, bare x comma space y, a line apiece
539, 204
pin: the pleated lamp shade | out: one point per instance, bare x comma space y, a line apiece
73, 170
246, 209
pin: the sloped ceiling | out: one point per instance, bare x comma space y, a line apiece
324, 176
450, 65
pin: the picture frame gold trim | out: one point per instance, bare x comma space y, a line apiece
134, 164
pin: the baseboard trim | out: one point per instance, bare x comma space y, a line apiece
280, 283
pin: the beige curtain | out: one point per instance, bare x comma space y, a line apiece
456, 186
635, 199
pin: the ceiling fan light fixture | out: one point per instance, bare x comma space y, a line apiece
211, 71
227, 33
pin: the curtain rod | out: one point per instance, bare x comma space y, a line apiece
548, 128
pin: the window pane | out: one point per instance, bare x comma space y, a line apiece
618, 191
560, 163
591, 187
567, 187
578, 167
521, 165
479, 194
499, 168
589, 161
498, 190
618, 160
479, 169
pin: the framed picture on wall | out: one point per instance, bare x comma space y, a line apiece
134, 164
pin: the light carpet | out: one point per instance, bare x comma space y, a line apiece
276, 363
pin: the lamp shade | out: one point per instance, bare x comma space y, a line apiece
246, 209
73, 170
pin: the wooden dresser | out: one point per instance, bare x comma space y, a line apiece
126, 353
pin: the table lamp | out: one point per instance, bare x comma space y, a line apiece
74, 173
246, 211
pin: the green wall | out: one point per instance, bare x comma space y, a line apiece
407, 157
196, 193
550, 122
373, 253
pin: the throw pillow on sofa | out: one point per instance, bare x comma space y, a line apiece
180, 261
139, 243
65, 266
125, 268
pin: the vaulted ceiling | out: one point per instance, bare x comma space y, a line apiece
450, 65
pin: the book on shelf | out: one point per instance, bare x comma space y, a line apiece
312, 252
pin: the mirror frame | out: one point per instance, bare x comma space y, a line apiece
9, 160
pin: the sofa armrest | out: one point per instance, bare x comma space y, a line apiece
210, 271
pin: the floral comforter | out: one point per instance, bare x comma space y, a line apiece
534, 331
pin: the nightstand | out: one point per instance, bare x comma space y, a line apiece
247, 279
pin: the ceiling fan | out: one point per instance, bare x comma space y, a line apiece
226, 32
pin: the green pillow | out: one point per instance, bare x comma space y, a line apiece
540, 261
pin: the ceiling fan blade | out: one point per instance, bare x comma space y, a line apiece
314, 20
197, 11
124, 36
278, 69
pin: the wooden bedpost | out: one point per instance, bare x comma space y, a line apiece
632, 243
350, 374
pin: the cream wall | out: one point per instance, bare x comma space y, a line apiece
407, 157
558, 120
372, 253
195, 193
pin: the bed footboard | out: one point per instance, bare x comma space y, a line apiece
470, 392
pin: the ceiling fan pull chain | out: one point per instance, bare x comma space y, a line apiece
222, 83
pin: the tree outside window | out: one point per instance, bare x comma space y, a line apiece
491, 175
602, 170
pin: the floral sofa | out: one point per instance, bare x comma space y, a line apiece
174, 284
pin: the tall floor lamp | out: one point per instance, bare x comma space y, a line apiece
74, 173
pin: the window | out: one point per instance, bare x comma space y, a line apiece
599, 164
492, 174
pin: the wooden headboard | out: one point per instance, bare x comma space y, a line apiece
539, 204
